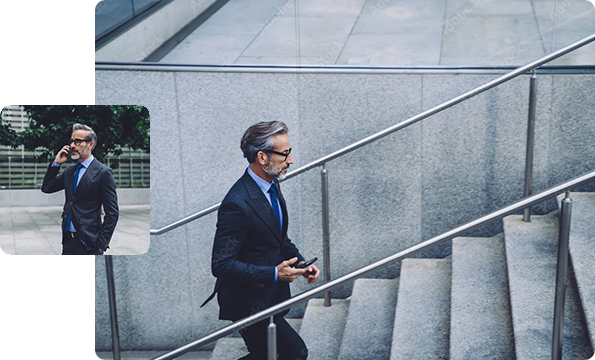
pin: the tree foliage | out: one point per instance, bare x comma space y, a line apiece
8, 137
116, 126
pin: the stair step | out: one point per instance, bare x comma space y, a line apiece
322, 328
531, 252
421, 325
234, 347
369, 326
229, 348
480, 318
582, 252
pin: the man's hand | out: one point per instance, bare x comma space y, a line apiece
312, 273
287, 273
62, 155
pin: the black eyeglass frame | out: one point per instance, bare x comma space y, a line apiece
79, 141
280, 153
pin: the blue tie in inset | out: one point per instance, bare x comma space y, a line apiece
76, 177
275, 204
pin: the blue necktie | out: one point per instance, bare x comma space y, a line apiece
275, 204
76, 177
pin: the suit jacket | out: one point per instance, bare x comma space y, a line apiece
97, 187
248, 246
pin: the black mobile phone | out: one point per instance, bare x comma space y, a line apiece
304, 265
68, 155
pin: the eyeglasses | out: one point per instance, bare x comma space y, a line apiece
282, 154
77, 142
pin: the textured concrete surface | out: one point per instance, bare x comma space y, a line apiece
36, 230
369, 327
322, 328
229, 348
389, 33
582, 253
421, 324
480, 318
531, 252
573, 132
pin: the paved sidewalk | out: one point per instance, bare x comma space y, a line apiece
390, 33
36, 230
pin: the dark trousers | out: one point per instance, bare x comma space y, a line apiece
290, 345
74, 246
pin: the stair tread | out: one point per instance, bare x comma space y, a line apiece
480, 319
368, 330
322, 328
421, 325
234, 347
582, 252
531, 252
229, 348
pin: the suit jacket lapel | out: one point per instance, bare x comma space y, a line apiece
69, 179
88, 176
261, 205
283, 208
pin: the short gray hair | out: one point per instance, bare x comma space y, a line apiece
259, 137
91, 136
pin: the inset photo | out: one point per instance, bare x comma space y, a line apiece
74, 180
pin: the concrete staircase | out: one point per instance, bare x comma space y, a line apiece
492, 299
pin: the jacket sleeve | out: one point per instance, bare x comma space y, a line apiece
109, 198
232, 227
51, 182
291, 251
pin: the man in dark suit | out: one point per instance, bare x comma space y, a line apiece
252, 253
87, 186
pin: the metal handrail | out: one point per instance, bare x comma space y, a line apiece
380, 264
338, 69
412, 120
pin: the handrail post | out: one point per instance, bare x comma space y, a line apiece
326, 234
561, 277
530, 143
111, 292
272, 340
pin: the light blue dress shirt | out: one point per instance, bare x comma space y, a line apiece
82, 171
264, 186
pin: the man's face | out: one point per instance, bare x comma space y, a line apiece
81, 150
277, 164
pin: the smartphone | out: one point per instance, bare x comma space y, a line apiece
68, 154
304, 265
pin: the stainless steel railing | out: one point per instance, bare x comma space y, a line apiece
323, 160
380, 264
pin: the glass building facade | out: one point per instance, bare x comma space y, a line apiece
109, 14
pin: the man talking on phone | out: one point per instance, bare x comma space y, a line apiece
87, 185
253, 259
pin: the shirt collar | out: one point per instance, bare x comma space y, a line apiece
87, 161
262, 184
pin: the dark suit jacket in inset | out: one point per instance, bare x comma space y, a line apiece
97, 187
248, 246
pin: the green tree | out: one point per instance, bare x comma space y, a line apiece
8, 137
116, 126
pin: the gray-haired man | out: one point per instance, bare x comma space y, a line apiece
87, 185
252, 255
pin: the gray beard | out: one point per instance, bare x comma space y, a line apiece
83, 154
273, 172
